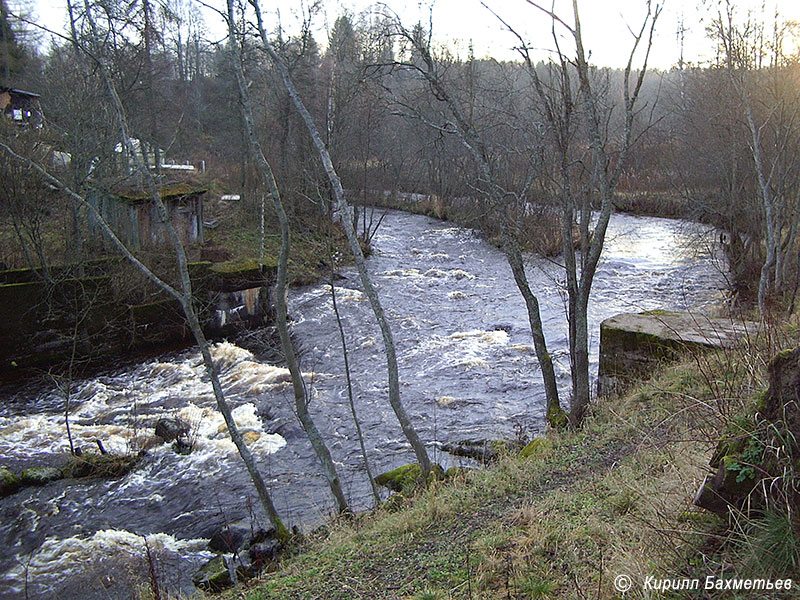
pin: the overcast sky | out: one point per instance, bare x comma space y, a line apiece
606, 23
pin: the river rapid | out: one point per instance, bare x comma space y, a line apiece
467, 371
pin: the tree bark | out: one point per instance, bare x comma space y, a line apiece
345, 211
298, 385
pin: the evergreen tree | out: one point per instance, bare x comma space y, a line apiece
12, 54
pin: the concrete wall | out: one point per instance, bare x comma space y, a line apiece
43, 324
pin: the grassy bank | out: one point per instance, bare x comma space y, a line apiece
612, 499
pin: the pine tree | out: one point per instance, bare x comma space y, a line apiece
12, 54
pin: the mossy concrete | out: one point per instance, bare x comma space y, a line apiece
85, 314
633, 345
407, 477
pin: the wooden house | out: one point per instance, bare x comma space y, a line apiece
21, 107
133, 216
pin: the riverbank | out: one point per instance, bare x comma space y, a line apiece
590, 508
82, 317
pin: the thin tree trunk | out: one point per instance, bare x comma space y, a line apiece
347, 222
375, 493
298, 386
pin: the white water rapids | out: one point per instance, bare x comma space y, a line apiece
467, 370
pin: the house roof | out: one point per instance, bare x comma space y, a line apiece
19, 92
170, 190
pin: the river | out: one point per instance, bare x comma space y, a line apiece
467, 371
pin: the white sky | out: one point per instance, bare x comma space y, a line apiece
457, 22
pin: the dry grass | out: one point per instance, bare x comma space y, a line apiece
613, 498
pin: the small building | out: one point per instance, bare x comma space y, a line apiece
133, 216
20, 106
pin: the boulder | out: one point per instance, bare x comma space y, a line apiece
214, 576
406, 478
169, 429
257, 554
229, 537
40, 475
9, 482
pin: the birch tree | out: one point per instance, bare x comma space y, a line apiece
298, 385
346, 213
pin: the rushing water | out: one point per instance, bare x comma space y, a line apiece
467, 371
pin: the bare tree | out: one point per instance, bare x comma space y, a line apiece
761, 76
605, 166
607, 161
345, 211
94, 49
298, 385
470, 137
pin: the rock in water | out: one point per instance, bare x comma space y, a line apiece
169, 429
40, 475
9, 482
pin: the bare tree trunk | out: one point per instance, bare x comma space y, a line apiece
473, 142
347, 222
184, 296
298, 386
555, 415
764, 184
375, 493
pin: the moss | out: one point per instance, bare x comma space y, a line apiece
214, 576
557, 417
537, 447
760, 401
660, 313
406, 478
235, 267
40, 475
700, 518
166, 191
9, 482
